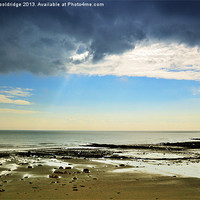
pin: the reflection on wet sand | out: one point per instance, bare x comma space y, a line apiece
56, 173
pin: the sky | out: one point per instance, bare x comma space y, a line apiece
127, 65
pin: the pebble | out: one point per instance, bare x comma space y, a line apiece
53, 176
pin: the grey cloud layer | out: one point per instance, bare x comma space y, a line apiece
43, 40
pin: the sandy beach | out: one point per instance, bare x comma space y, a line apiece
99, 183
48, 174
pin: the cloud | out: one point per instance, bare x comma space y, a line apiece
4, 99
79, 58
51, 40
173, 61
14, 111
17, 91
8, 95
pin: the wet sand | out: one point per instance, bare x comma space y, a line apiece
60, 174
99, 183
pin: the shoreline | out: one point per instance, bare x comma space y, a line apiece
183, 155
114, 173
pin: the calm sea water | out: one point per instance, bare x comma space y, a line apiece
10, 140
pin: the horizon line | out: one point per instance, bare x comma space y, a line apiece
101, 130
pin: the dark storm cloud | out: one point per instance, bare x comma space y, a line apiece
42, 40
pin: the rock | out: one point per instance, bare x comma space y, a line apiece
23, 163
67, 167
53, 176
75, 178
58, 172
67, 158
82, 185
61, 167
86, 170
2, 190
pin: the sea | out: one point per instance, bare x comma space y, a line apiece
29, 139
